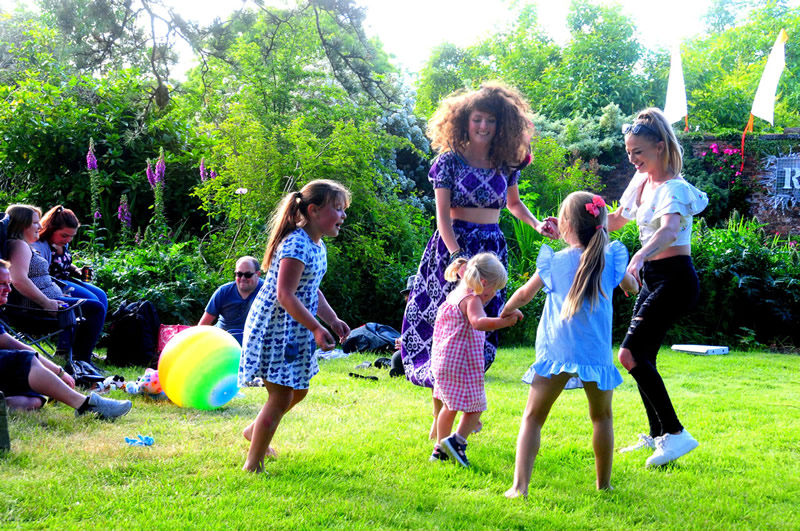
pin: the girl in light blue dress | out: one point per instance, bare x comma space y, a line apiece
282, 329
574, 335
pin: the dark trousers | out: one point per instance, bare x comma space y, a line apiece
84, 338
669, 290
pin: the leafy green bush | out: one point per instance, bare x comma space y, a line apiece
749, 285
174, 277
552, 175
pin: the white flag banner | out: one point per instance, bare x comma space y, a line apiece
764, 102
675, 108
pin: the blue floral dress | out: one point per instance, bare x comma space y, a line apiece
277, 348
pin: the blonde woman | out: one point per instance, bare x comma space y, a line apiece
663, 204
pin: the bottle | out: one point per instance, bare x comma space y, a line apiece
86, 273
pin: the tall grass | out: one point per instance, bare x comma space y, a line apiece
354, 455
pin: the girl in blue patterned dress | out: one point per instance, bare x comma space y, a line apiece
574, 334
281, 328
483, 137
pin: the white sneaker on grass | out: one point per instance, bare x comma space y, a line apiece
670, 447
645, 441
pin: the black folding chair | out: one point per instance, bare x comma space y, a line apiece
38, 327
34, 326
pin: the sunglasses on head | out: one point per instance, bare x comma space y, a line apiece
248, 274
639, 128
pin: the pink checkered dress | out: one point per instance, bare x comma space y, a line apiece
457, 360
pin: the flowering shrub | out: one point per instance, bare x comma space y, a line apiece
124, 217
158, 225
716, 172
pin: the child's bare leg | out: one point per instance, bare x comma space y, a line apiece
297, 396
468, 423
603, 434
437, 407
266, 423
444, 423
543, 393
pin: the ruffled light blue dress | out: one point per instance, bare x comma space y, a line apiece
580, 346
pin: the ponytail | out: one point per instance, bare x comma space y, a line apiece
292, 211
451, 273
482, 266
587, 217
57, 218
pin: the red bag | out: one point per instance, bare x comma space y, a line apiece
165, 333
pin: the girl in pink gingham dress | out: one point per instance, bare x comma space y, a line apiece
457, 364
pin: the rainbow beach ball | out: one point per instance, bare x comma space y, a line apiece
199, 367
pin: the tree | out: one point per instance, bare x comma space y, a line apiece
600, 64
722, 70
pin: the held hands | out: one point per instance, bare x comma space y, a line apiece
510, 318
548, 227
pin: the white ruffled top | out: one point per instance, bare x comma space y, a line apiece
675, 196
580, 346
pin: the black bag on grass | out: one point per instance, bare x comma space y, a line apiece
371, 336
133, 336
85, 373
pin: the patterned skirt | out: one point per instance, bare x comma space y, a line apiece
430, 289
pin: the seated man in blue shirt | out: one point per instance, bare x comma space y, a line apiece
25, 377
232, 301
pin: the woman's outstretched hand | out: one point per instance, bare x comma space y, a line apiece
548, 227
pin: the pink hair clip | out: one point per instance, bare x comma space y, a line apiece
594, 207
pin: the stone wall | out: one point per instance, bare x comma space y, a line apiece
771, 202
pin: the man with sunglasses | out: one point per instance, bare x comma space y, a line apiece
232, 301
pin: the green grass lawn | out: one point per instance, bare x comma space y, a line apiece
355, 453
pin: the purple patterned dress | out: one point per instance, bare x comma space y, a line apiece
469, 187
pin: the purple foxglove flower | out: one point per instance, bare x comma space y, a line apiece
203, 174
161, 168
97, 214
240, 191
212, 175
124, 213
91, 161
150, 176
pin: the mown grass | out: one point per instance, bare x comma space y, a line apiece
354, 455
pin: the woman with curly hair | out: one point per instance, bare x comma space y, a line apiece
483, 140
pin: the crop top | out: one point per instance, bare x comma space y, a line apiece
471, 187
675, 196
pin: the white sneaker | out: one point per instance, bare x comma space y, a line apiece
645, 441
670, 447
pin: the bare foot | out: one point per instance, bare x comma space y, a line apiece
514, 492
257, 469
247, 433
